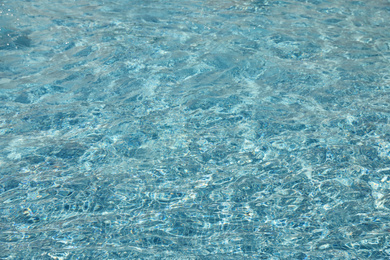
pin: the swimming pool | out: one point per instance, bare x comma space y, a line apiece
194, 129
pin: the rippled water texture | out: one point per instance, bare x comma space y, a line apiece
203, 129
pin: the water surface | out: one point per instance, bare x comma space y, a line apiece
194, 129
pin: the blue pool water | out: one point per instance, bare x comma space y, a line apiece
194, 129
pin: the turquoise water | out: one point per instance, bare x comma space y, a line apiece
194, 129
